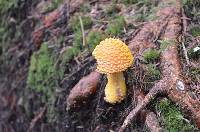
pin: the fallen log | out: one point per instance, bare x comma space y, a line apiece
172, 83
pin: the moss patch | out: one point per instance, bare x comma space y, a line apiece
151, 55
44, 78
152, 72
172, 118
5, 5
195, 31
94, 38
78, 40
127, 2
75, 25
115, 27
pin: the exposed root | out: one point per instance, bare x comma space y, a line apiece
167, 28
172, 83
177, 89
83, 89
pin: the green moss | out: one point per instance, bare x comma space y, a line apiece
42, 72
6, 33
195, 31
68, 55
151, 55
172, 118
194, 73
75, 23
152, 72
192, 9
78, 40
194, 53
94, 38
115, 27
5, 5
44, 77
127, 2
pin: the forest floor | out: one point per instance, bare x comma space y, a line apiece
46, 48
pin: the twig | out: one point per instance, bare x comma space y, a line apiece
82, 30
185, 51
36, 119
183, 38
150, 96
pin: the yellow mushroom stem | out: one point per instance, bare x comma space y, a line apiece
115, 90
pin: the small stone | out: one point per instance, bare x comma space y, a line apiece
180, 85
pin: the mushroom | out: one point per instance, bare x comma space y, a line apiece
113, 57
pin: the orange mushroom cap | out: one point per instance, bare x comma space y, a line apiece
112, 56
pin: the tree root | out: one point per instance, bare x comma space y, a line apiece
172, 83
167, 28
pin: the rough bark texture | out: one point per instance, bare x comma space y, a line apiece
177, 89
83, 89
171, 82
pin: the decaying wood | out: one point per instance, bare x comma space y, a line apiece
171, 83
83, 89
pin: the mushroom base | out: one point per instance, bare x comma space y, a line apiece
115, 90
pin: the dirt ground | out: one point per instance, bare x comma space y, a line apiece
44, 54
